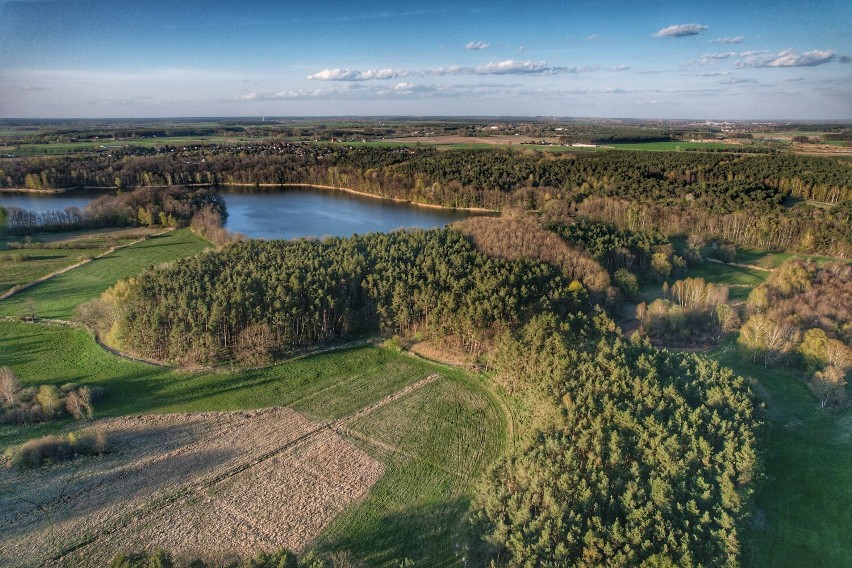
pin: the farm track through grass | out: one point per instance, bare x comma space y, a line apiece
58, 297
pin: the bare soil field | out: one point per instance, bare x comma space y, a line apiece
214, 486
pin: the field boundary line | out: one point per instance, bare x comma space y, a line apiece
393, 397
200, 486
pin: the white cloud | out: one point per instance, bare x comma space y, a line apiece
618, 68
507, 67
681, 30
402, 90
594, 37
735, 39
353, 75
713, 57
786, 58
477, 45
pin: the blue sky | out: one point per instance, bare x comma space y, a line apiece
685, 59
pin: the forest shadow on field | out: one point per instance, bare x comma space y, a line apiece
437, 532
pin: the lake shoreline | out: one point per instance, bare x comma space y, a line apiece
68, 190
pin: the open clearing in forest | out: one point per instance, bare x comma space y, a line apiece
58, 297
208, 485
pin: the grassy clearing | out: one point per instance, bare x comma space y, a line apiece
771, 260
436, 443
58, 297
20, 266
802, 513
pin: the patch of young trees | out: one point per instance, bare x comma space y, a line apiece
644, 456
692, 312
58, 448
257, 299
24, 405
518, 236
802, 315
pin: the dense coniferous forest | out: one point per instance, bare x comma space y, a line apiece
259, 298
744, 199
648, 255
646, 457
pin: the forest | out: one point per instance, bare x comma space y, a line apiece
643, 457
749, 200
257, 299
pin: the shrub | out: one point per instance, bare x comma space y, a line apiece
55, 449
627, 281
48, 398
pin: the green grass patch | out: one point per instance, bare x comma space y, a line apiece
771, 260
802, 513
58, 297
436, 442
321, 384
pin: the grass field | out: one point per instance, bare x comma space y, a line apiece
445, 434
803, 511
20, 266
106, 145
771, 260
58, 297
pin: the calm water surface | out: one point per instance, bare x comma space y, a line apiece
283, 213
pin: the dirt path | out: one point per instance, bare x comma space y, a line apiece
741, 265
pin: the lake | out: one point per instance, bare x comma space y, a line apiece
282, 213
